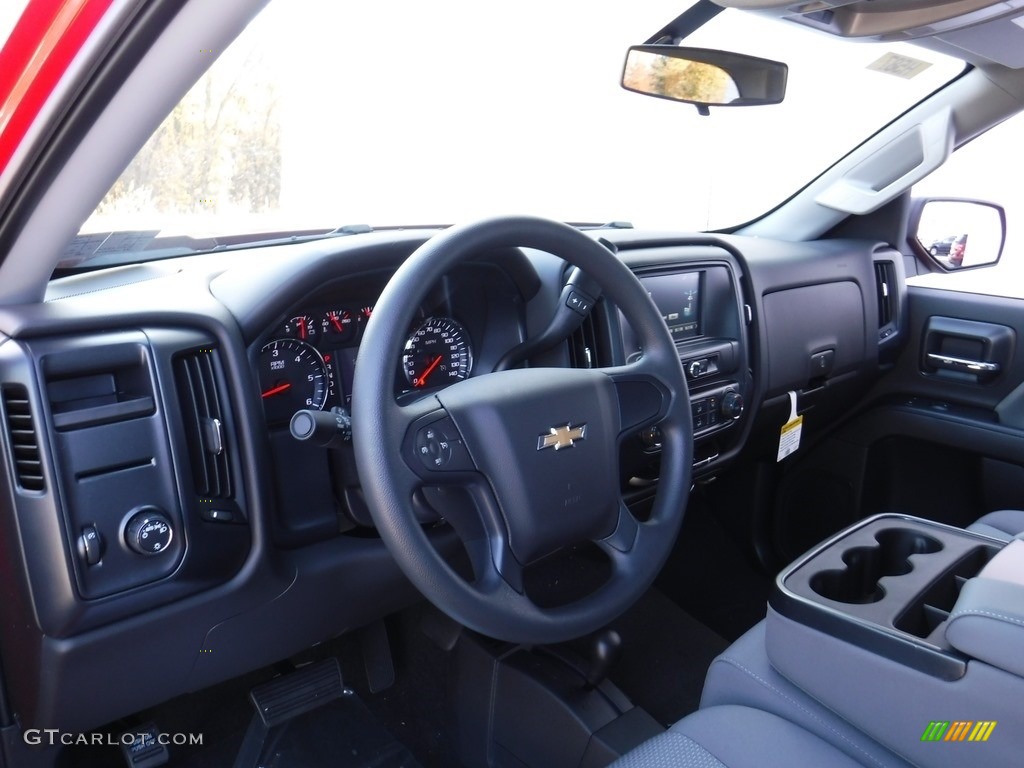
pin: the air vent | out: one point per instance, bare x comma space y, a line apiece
22, 438
885, 283
203, 414
586, 347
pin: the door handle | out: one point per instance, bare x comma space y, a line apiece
967, 351
960, 364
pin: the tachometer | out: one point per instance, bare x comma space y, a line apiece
437, 353
293, 376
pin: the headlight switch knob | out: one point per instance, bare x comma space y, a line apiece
148, 532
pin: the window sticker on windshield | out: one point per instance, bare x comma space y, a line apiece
898, 65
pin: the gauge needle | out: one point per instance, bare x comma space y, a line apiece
430, 369
336, 323
302, 329
277, 390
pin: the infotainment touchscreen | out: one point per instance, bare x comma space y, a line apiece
677, 296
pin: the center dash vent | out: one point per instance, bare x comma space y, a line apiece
203, 413
587, 347
22, 438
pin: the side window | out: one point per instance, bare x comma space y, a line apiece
981, 170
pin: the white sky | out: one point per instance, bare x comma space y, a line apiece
517, 108
406, 112
10, 12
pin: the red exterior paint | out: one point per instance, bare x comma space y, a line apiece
46, 39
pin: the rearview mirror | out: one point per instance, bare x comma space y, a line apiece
959, 234
707, 78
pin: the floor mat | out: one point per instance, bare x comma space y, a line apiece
342, 734
416, 708
665, 656
710, 576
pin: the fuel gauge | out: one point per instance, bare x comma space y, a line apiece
301, 327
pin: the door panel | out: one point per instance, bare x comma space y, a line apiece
961, 326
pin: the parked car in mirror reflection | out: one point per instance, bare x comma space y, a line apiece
942, 247
952, 248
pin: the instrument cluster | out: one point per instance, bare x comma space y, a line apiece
310, 361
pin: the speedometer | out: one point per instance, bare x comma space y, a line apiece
293, 376
437, 353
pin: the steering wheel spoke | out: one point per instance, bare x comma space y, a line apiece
499, 573
622, 541
644, 399
472, 510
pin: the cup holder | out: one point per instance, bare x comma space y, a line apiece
865, 566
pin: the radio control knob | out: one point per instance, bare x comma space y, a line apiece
149, 532
732, 405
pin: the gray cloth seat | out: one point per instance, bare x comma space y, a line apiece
731, 736
742, 674
1003, 524
753, 716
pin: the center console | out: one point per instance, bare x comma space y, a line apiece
888, 584
898, 624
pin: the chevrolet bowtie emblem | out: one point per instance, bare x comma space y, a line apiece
562, 437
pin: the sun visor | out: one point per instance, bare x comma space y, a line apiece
886, 20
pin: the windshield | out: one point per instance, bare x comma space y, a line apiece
409, 113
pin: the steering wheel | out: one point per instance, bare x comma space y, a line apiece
533, 453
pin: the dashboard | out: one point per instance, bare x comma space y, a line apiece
160, 507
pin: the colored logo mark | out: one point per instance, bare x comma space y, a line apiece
958, 730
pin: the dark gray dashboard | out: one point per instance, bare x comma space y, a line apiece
132, 398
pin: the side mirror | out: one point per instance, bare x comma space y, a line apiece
959, 234
705, 77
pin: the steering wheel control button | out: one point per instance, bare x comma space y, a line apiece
148, 532
90, 545
439, 448
577, 302
434, 448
